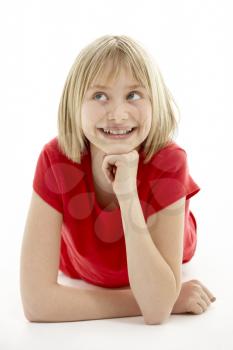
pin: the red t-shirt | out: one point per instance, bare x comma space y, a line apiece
92, 239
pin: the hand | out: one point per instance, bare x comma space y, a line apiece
121, 171
194, 298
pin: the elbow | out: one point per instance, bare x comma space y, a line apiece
40, 306
156, 321
33, 317
158, 316
30, 316
162, 316
36, 307
152, 322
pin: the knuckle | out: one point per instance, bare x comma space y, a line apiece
197, 288
195, 281
200, 310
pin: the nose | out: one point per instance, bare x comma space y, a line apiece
119, 111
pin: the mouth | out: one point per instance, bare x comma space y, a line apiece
118, 136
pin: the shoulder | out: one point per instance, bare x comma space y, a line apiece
67, 172
56, 154
52, 149
168, 159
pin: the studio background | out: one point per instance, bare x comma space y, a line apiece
192, 44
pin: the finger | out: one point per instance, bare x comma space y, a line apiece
108, 173
111, 159
105, 165
210, 295
196, 309
206, 298
109, 177
202, 304
106, 162
207, 291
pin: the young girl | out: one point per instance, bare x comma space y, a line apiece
110, 200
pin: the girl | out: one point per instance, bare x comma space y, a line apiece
110, 200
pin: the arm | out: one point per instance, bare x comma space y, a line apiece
71, 304
151, 278
65, 303
43, 299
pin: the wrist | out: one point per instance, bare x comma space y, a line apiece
126, 198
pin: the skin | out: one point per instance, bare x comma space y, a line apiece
116, 105
118, 161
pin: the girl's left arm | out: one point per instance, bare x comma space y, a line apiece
151, 278
154, 257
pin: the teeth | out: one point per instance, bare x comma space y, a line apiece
117, 132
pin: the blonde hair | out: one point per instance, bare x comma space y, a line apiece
89, 64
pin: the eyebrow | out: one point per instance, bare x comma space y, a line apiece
108, 88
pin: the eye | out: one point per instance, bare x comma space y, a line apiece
134, 92
101, 93
98, 94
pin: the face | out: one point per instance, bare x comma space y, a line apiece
117, 106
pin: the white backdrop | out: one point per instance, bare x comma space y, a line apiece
192, 43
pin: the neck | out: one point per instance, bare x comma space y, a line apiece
97, 156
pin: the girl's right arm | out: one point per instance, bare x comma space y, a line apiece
43, 299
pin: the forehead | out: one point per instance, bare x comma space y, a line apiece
110, 72
109, 87
107, 82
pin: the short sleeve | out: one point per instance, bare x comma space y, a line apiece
45, 181
170, 179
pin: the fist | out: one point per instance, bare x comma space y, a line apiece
121, 171
194, 298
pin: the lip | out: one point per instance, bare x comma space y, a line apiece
118, 127
111, 136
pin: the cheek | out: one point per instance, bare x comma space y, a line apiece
146, 126
90, 114
92, 108
87, 110
146, 119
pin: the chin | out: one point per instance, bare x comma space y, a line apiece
119, 149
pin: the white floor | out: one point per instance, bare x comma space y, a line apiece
212, 329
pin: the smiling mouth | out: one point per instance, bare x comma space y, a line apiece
117, 136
